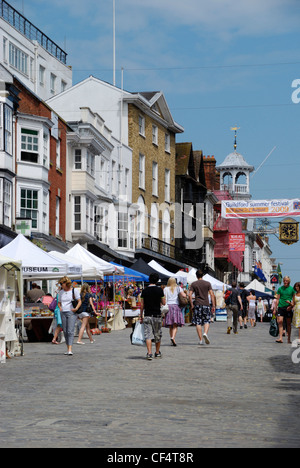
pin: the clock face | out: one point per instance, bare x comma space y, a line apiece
289, 231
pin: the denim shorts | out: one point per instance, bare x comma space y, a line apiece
153, 328
202, 315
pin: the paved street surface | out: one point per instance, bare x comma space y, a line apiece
241, 391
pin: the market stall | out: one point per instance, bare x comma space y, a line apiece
36, 265
11, 284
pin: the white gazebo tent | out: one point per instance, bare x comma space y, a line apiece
216, 284
36, 263
256, 286
159, 268
87, 270
82, 255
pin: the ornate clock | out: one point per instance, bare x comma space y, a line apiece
289, 231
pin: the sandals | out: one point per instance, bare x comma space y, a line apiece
54, 341
173, 342
279, 341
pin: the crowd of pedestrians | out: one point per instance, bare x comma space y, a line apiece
243, 308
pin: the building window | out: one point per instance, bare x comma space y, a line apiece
167, 143
90, 163
63, 86
89, 215
78, 160
142, 171
45, 149
77, 213
29, 145
8, 129
101, 224
42, 74
7, 186
154, 135
141, 125
155, 179
167, 185
57, 216
4, 50
52, 83
29, 206
122, 230
58, 154
18, 59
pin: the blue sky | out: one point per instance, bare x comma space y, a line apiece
219, 63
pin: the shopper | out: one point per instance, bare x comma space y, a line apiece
233, 308
252, 308
152, 298
65, 297
174, 317
296, 305
244, 313
57, 322
86, 306
285, 295
202, 310
260, 309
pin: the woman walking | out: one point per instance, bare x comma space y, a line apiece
261, 310
174, 318
86, 306
65, 297
252, 306
296, 305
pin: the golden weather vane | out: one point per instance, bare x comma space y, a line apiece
235, 129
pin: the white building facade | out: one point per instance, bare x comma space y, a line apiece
100, 165
32, 56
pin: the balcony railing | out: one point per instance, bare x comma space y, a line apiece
18, 21
170, 251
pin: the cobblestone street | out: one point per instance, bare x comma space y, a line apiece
240, 391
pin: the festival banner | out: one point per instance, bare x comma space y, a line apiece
260, 208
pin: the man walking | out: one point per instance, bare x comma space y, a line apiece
243, 314
202, 310
152, 298
284, 298
233, 309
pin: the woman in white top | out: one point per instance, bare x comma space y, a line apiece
252, 306
65, 298
174, 318
260, 309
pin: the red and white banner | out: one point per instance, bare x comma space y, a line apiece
260, 208
237, 242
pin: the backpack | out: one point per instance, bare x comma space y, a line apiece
227, 297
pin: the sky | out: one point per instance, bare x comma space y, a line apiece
219, 63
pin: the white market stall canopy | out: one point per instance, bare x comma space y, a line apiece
216, 284
82, 255
159, 268
87, 271
256, 286
36, 263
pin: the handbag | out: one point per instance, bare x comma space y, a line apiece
183, 301
53, 304
274, 330
75, 303
138, 337
164, 310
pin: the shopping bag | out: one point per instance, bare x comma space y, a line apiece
274, 331
138, 337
